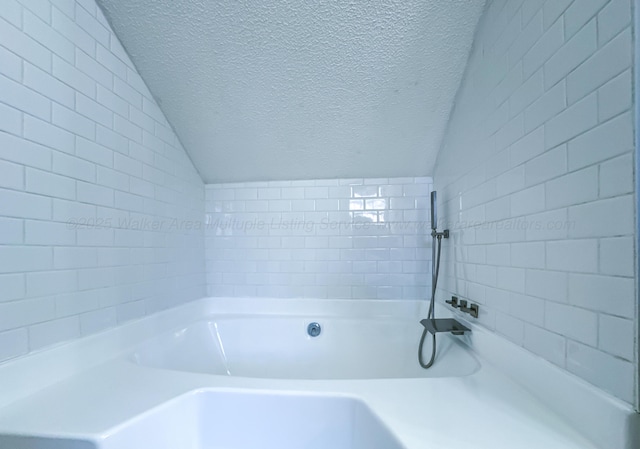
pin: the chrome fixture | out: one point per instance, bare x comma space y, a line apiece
431, 324
472, 310
314, 329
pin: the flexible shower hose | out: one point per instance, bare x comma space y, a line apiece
435, 270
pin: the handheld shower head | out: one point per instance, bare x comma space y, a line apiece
434, 211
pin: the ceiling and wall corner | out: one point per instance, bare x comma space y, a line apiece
299, 90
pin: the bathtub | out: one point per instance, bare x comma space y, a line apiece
215, 370
279, 346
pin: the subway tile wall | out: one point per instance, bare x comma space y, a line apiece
99, 204
536, 182
343, 238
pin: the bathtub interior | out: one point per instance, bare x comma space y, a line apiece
260, 346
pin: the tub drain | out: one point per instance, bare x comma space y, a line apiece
314, 329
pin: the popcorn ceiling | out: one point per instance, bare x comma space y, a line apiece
278, 90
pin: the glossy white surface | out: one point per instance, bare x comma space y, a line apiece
279, 347
99, 202
342, 238
302, 90
536, 182
55, 393
209, 419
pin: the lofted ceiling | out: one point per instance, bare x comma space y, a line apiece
302, 89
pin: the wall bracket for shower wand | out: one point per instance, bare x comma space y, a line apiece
443, 234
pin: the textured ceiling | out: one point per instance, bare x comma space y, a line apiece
300, 89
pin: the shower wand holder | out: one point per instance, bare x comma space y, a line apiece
443, 234
438, 325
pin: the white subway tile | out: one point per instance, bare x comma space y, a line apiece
74, 167
89, 150
24, 152
512, 329
95, 236
554, 9
11, 175
17, 314
530, 34
42, 32
608, 372
616, 176
617, 256
20, 97
528, 201
576, 50
126, 92
13, 344
12, 12
546, 284
69, 304
51, 282
10, 119
613, 295
41, 9
94, 194
140, 187
594, 219
616, 336
68, 28
50, 184
575, 120
97, 320
71, 211
11, 231
578, 256
527, 308
615, 96
12, 286
73, 77
48, 135
527, 93
89, 24
611, 60
24, 205
49, 233
10, 64
546, 344
527, 255
316, 192
112, 62
45, 84
53, 332
548, 106
607, 140
127, 165
549, 165
511, 279
612, 19
112, 178
94, 111
525, 149
74, 257
579, 13
23, 45
573, 188
575, 323
73, 122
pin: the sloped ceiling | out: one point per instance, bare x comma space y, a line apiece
301, 89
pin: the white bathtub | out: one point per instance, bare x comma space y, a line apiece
278, 346
177, 375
